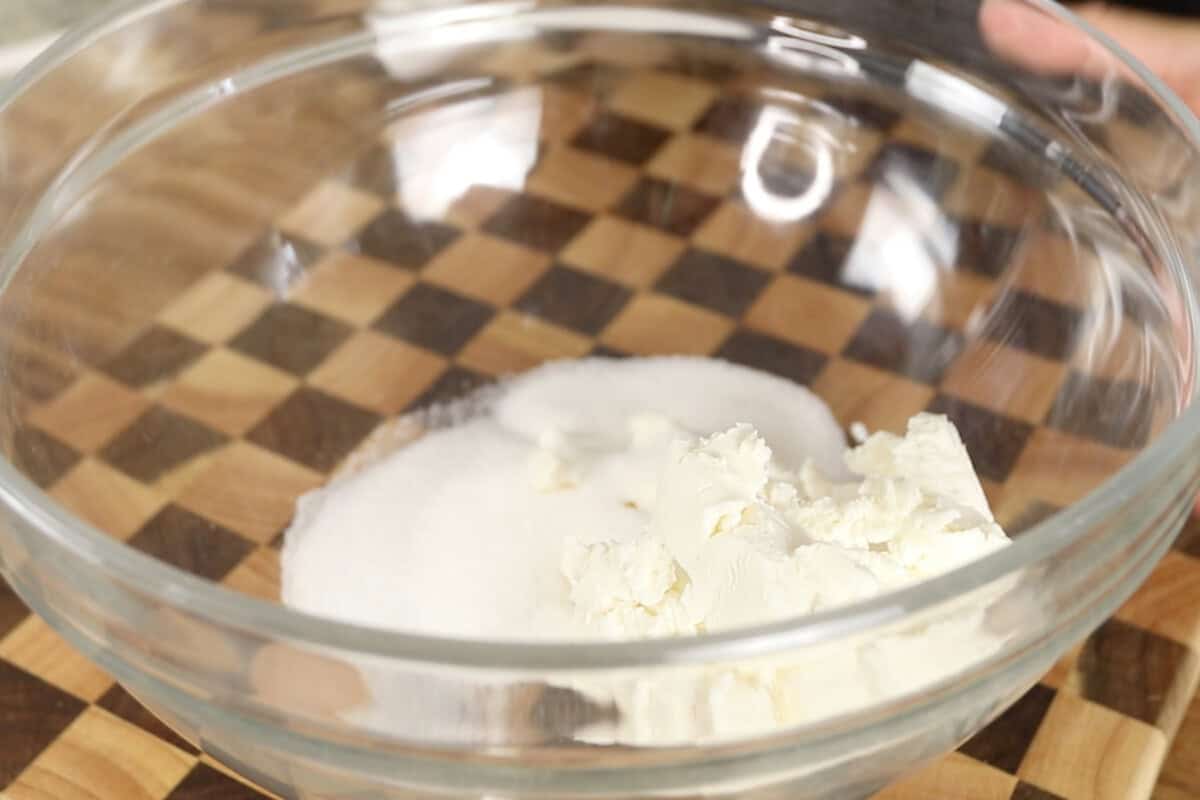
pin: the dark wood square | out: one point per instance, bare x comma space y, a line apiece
782, 177
620, 138
42, 458
919, 350
864, 111
536, 222
694, 64
191, 543
157, 354
772, 355
1027, 791
1033, 323
206, 783
374, 171
994, 441
730, 117
713, 281
314, 429
121, 703
395, 238
822, 258
931, 172
290, 337
1141, 306
1188, 540
436, 318
453, 384
157, 442
32, 715
667, 206
1117, 413
1004, 742
986, 249
12, 610
1009, 158
575, 299
277, 261
604, 351
1131, 670
1031, 515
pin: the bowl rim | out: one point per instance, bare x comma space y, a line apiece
226, 608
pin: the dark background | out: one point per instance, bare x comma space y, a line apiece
1184, 7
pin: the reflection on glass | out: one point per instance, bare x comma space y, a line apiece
903, 242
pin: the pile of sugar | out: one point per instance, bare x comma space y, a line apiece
453, 535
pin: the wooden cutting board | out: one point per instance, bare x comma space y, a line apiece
1098, 726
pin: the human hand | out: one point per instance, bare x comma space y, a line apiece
1170, 48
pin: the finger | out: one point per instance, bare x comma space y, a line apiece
1032, 38
1039, 42
1170, 48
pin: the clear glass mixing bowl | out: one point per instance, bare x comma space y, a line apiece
238, 236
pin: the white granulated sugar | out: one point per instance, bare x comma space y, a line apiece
457, 534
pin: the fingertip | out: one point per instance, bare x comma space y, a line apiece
999, 21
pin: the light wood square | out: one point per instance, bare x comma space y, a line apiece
1060, 675
563, 112
1061, 469
352, 288
1050, 265
331, 213
808, 313
216, 308
515, 342
653, 324
1086, 750
100, 756
378, 372
626, 252
1181, 772
844, 214
1168, 603
524, 60
106, 498
1124, 355
486, 268
249, 490
958, 299
258, 575
953, 776
1009, 381
476, 205
228, 391
736, 231
947, 141
987, 196
878, 399
662, 99
580, 179
90, 412
36, 648
699, 161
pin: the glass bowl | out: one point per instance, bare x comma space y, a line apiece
239, 237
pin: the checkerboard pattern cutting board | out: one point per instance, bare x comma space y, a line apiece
191, 430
